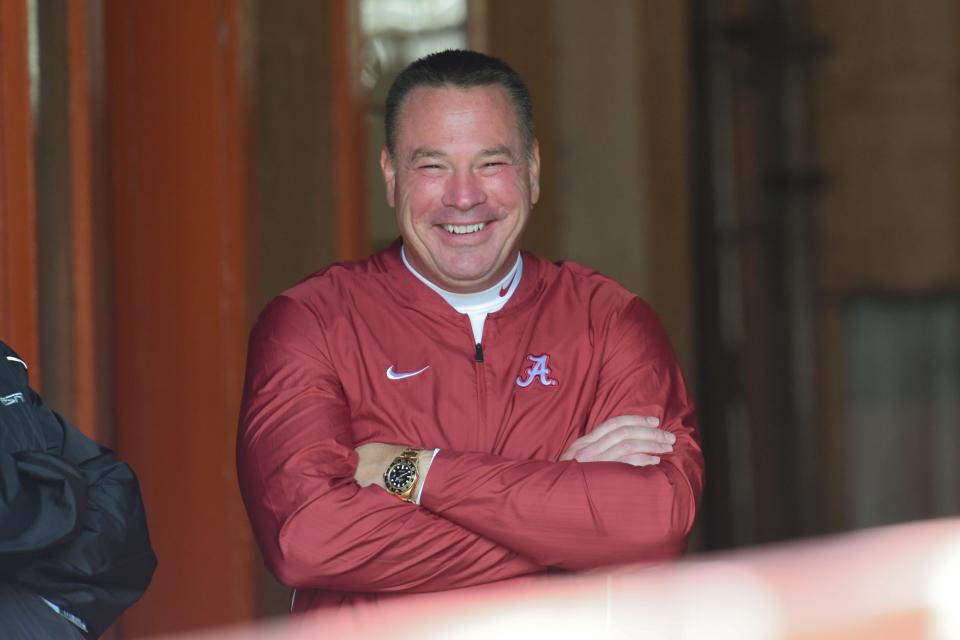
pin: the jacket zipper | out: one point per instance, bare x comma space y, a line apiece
481, 389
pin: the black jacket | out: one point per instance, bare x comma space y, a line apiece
72, 524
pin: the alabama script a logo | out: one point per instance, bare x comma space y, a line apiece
539, 371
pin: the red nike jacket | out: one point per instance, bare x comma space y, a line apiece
570, 349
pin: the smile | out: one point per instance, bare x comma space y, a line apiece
460, 229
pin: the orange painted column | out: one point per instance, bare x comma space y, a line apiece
18, 229
349, 137
87, 363
176, 124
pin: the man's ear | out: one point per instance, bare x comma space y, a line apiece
389, 175
534, 171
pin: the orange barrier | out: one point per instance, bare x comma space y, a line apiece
895, 582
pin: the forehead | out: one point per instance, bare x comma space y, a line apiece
455, 112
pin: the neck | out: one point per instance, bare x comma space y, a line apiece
501, 291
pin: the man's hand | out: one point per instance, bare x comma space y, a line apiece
634, 440
373, 458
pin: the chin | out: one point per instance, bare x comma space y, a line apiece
471, 271
469, 283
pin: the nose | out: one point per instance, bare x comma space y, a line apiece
463, 191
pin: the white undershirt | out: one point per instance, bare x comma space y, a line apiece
476, 306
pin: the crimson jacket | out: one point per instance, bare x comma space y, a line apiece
569, 350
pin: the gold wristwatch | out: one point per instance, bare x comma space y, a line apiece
402, 475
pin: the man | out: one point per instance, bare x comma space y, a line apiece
530, 416
74, 547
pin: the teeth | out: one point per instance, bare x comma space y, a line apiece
464, 228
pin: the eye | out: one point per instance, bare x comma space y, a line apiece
492, 166
430, 168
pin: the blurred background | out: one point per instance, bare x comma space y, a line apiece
778, 178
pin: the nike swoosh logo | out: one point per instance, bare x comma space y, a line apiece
504, 290
396, 375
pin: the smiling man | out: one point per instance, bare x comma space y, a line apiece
454, 411
462, 179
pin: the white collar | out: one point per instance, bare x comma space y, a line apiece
486, 301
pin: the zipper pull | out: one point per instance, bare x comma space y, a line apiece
479, 354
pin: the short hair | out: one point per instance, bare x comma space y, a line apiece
461, 69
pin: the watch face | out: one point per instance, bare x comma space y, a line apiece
400, 476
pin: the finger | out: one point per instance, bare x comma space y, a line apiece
624, 448
616, 422
643, 439
628, 447
601, 430
593, 444
606, 427
640, 460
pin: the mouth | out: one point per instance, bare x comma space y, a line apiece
464, 229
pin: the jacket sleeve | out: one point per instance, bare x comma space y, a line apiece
103, 569
72, 523
42, 499
583, 515
295, 458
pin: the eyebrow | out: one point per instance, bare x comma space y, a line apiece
420, 152
501, 150
435, 154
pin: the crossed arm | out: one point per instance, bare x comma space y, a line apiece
482, 517
633, 440
572, 515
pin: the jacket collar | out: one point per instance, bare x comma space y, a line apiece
410, 291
